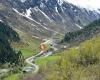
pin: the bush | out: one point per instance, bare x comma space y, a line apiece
88, 53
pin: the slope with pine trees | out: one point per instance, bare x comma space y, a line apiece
7, 54
86, 33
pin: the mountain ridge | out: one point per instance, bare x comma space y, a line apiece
40, 17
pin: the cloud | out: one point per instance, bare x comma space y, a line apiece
90, 4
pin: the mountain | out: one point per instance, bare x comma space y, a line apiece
43, 18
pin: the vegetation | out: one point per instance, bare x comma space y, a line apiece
9, 58
79, 63
44, 60
28, 45
7, 54
86, 33
12, 77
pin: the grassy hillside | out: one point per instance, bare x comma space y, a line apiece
44, 60
78, 63
28, 44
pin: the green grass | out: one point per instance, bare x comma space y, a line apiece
40, 61
44, 60
12, 77
28, 45
82, 63
26, 53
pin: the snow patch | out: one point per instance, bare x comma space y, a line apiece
1, 20
37, 9
36, 37
34, 20
75, 10
60, 2
98, 11
46, 28
18, 12
28, 12
42, 5
56, 9
78, 26
23, 1
28, 16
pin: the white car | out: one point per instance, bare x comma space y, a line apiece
28, 69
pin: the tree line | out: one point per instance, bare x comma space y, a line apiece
7, 54
86, 33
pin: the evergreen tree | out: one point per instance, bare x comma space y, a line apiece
7, 54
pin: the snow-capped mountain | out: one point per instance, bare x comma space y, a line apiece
44, 17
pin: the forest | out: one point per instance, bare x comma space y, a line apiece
7, 53
86, 33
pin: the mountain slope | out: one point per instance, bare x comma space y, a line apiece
45, 17
74, 62
7, 54
88, 32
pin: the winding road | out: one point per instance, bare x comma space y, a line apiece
32, 66
31, 59
30, 62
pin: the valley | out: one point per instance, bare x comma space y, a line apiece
49, 40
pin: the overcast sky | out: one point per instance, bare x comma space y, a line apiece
91, 4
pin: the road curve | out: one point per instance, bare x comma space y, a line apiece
30, 62
31, 59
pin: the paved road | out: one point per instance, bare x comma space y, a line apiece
33, 67
31, 59
30, 62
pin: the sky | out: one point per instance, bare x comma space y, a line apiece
90, 4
